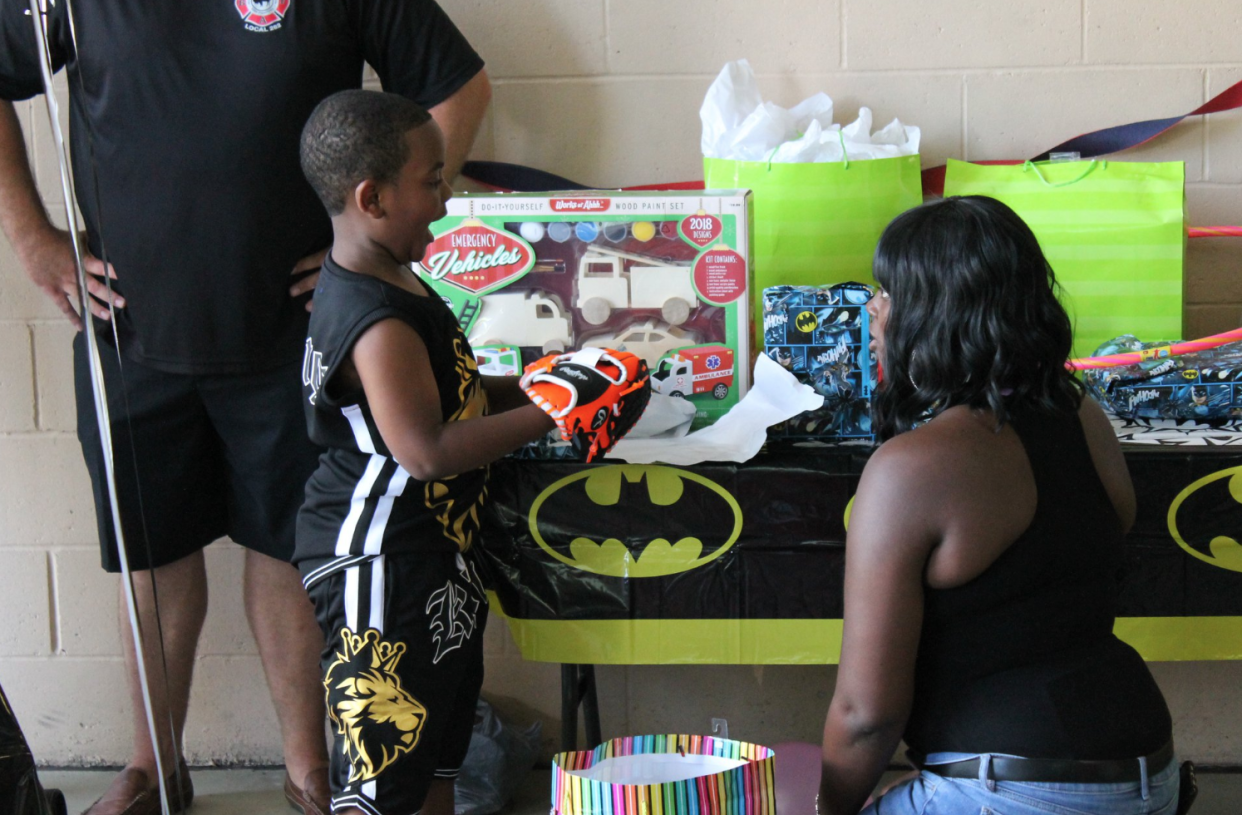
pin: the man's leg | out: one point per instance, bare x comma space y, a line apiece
439, 798
172, 498
182, 590
283, 621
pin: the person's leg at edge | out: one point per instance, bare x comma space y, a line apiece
182, 590
439, 800
282, 619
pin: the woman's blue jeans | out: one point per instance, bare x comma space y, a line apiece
932, 794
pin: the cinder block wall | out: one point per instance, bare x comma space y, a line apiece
607, 92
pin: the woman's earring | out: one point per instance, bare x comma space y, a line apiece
910, 370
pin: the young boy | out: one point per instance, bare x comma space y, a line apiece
393, 392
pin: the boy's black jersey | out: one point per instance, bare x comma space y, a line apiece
360, 502
185, 119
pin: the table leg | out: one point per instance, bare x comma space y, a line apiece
590, 705
578, 690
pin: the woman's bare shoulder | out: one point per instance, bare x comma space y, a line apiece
935, 455
955, 434
958, 459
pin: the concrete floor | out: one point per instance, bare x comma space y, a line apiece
258, 792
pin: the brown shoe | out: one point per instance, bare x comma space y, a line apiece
315, 796
131, 793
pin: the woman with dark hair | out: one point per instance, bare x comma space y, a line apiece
980, 576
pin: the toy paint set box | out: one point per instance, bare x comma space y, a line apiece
822, 336
663, 275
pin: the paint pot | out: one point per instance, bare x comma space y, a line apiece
616, 232
643, 231
586, 231
668, 229
560, 231
532, 231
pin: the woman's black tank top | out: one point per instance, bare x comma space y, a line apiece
1022, 659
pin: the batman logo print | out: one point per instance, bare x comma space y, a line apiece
635, 520
806, 322
1206, 518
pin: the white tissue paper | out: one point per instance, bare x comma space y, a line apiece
732, 97
739, 125
774, 396
666, 417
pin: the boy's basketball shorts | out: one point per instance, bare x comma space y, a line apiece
402, 667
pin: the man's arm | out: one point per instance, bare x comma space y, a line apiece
459, 118
21, 211
44, 251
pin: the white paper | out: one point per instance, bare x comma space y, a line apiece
816, 108
739, 125
731, 98
774, 396
767, 124
656, 768
665, 417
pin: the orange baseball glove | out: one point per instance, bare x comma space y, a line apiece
594, 395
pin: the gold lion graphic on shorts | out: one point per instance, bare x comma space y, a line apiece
379, 719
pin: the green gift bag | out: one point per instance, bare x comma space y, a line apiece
818, 223
1113, 231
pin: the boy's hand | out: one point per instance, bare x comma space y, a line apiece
594, 395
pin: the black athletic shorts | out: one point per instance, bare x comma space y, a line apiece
208, 456
402, 668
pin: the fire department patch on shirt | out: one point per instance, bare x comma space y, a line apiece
262, 15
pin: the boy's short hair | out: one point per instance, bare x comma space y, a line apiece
355, 135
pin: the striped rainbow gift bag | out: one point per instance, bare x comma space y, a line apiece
666, 775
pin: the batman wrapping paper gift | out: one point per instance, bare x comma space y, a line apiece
822, 336
1204, 386
669, 774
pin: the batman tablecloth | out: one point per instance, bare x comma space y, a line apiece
743, 563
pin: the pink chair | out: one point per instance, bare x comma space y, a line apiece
797, 777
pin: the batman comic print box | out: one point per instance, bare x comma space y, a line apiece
664, 275
822, 336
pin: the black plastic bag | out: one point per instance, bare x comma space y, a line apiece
498, 758
20, 793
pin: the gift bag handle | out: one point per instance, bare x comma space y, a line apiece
1031, 165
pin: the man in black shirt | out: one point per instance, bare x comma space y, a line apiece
185, 120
